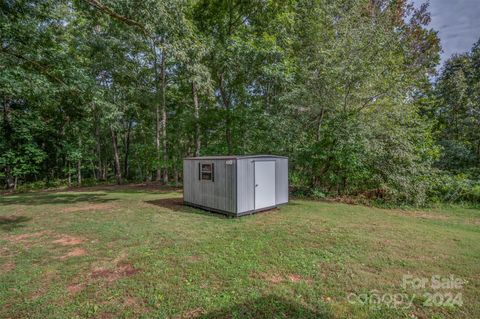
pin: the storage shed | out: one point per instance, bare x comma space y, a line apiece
235, 185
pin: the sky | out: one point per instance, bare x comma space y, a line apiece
457, 23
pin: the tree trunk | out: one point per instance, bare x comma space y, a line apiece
69, 176
15, 183
319, 124
197, 120
94, 171
79, 172
164, 122
140, 171
175, 175
98, 146
118, 172
79, 165
8, 177
157, 143
158, 129
228, 120
126, 167
478, 151
6, 135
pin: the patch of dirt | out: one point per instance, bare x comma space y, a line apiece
75, 288
420, 214
294, 278
348, 200
47, 278
37, 294
130, 301
136, 305
7, 267
369, 269
67, 240
122, 256
111, 275
276, 278
9, 219
26, 237
18, 208
194, 313
77, 252
194, 258
326, 299
273, 278
88, 207
476, 222
4, 252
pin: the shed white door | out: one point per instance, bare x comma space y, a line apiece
264, 184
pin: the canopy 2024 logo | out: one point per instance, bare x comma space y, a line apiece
436, 291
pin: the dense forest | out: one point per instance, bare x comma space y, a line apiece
351, 91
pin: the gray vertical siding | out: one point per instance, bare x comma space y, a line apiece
230, 186
245, 185
281, 177
219, 194
233, 190
188, 175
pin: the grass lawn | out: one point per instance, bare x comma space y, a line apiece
134, 251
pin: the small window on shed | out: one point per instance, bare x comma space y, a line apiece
207, 172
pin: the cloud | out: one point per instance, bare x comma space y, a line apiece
457, 23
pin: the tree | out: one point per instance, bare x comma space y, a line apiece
355, 72
457, 111
124, 90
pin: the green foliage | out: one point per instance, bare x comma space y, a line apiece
446, 187
457, 111
352, 80
95, 90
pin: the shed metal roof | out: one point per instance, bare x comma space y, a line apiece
233, 157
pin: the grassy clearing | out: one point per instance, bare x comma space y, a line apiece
135, 252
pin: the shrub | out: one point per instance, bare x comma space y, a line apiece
450, 188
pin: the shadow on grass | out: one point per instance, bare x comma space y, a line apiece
153, 187
176, 204
9, 223
146, 188
52, 198
268, 307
